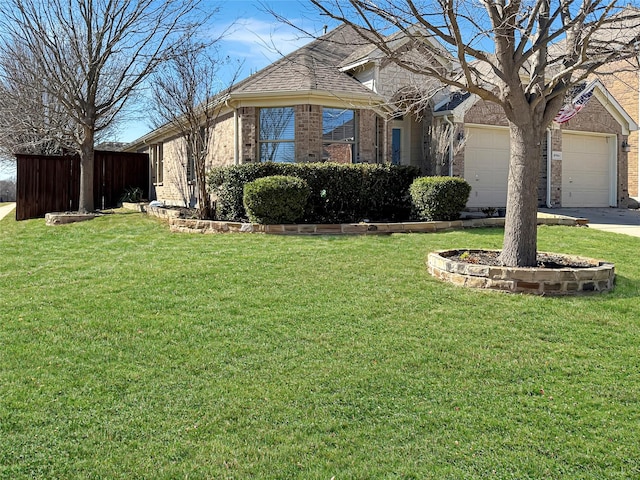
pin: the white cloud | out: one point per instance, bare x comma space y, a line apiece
259, 42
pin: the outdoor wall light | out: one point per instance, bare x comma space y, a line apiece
625, 146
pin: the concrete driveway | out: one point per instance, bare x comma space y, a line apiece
617, 220
6, 209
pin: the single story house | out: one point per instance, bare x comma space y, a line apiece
340, 99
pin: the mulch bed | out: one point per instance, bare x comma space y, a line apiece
545, 260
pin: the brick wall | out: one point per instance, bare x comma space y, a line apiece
392, 80
623, 85
367, 130
486, 113
308, 130
174, 189
556, 168
221, 144
248, 134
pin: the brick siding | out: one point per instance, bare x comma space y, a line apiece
623, 85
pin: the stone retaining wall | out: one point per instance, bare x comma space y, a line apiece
211, 226
540, 281
186, 225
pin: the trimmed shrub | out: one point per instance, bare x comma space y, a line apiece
439, 198
227, 186
276, 199
339, 193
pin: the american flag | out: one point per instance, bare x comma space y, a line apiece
569, 111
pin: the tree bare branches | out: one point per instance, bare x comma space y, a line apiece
90, 57
523, 56
187, 98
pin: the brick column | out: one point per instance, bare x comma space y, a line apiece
367, 136
308, 133
248, 134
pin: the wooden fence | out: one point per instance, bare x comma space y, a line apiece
52, 184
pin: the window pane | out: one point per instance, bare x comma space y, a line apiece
338, 125
277, 152
277, 124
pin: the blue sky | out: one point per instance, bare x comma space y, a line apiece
255, 37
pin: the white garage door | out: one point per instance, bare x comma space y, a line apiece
586, 170
486, 166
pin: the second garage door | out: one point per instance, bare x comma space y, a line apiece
586, 170
486, 166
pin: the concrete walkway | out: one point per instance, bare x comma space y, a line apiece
616, 220
6, 209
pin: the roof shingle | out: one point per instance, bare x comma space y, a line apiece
311, 67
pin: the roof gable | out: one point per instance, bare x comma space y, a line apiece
313, 67
397, 42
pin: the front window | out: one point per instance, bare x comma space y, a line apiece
277, 135
338, 135
157, 162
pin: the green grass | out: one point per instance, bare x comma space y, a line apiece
130, 352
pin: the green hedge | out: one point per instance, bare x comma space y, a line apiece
339, 193
277, 199
439, 198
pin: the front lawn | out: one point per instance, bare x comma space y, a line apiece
130, 352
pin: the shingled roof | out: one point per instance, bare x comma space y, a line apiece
313, 67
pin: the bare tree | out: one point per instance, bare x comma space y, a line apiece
7, 166
91, 56
523, 56
187, 97
446, 143
31, 121
8, 190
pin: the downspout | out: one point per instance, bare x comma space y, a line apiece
236, 137
450, 123
549, 155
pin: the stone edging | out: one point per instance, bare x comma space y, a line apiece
63, 218
184, 225
209, 226
540, 281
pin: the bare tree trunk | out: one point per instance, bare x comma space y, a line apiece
86, 204
205, 211
520, 234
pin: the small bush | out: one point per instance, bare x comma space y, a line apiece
132, 194
276, 199
439, 198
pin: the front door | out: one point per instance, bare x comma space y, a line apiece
396, 142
